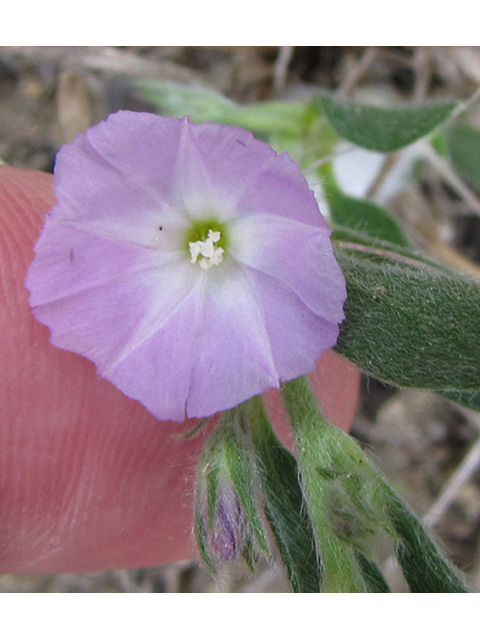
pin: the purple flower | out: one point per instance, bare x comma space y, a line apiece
189, 262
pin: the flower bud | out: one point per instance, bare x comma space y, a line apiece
228, 519
228, 535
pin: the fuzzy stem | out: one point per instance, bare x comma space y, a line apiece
328, 454
314, 444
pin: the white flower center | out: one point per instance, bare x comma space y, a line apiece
211, 255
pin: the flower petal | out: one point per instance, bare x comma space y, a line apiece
157, 372
192, 189
280, 189
123, 190
233, 359
103, 298
211, 354
233, 158
247, 175
297, 335
113, 277
145, 151
298, 255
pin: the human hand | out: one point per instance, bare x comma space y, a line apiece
90, 480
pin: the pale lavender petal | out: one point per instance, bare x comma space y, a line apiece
103, 298
145, 150
123, 190
233, 359
233, 158
249, 176
297, 335
157, 372
283, 191
113, 280
228, 537
193, 192
298, 255
213, 352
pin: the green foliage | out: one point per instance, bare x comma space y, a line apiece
380, 128
351, 503
469, 399
409, 323
339, 492
174, 100
284, 504
374, 579
241, 470
201, 105
463, 147
227, 468
424, 567
366, 218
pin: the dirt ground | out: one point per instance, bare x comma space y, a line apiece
427, 446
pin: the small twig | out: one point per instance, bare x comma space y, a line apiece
321, 161
462, 107
389, 162
358, 71
384, 253
126, 581
450, 491
421, 64
280, 69
445, 170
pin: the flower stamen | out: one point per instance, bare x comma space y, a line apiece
211, 255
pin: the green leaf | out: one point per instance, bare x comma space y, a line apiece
202, 540
366, 218
372, 574
383, 129
284, 504
201, 105
212, 476
424, 567
409, 323
463, 145
273, 117
438, 140
469, 399
240, 468
207, 483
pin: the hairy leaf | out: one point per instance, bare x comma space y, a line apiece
463, 146
409, 323
423, 565
380, 128
469, 399
367, 218
284, 504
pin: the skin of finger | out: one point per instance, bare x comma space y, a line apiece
89, 479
